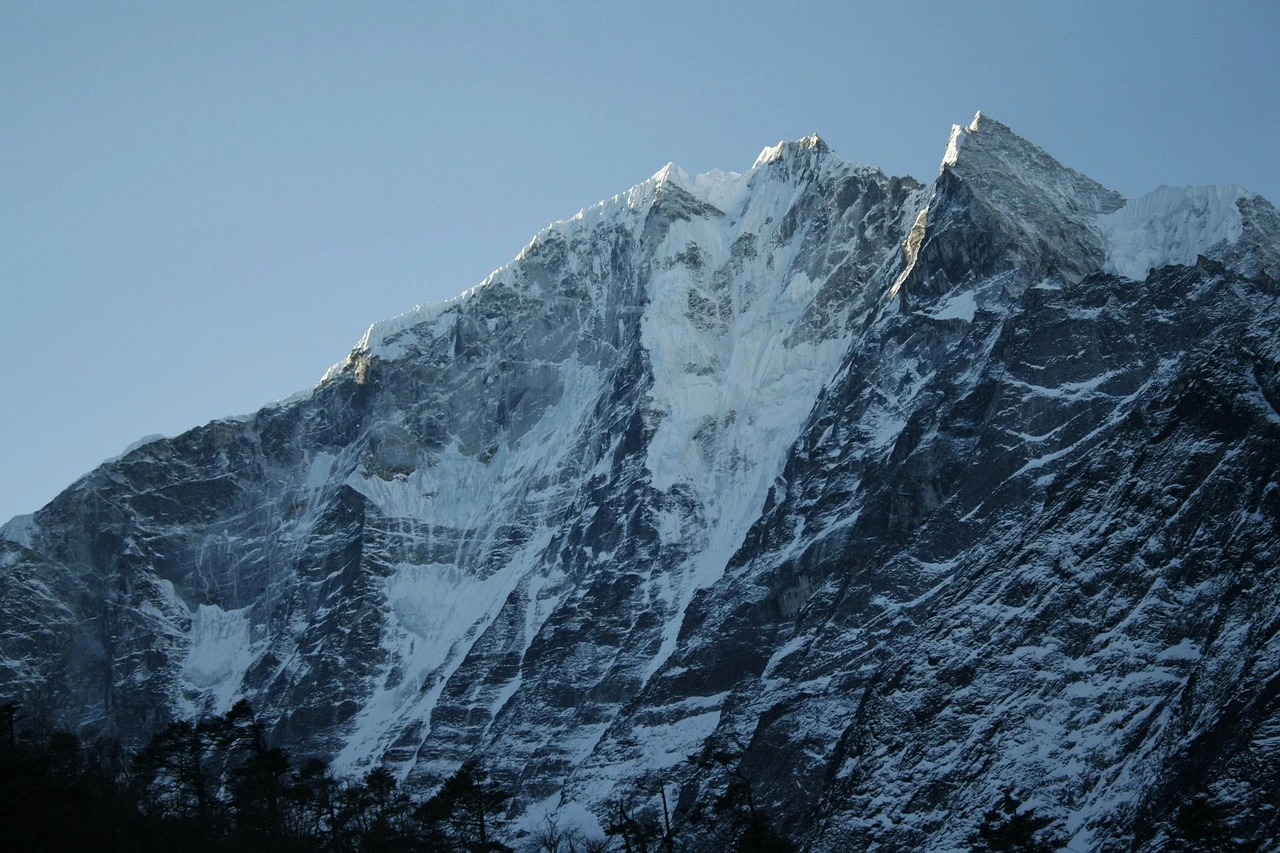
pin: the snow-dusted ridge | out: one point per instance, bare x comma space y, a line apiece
723, 190
134, 445
1170, 225
1078, 222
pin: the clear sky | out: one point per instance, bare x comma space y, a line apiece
204, 205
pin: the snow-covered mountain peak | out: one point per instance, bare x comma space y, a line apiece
1048, 211
1000, 202
679, 480
671, 174
994, 158
787, 148
713, 191
717, 188
1054, 212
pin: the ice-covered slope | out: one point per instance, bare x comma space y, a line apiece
1172, 225
900, 494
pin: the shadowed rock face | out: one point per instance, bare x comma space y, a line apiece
889, 491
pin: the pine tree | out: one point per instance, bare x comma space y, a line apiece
465, 809
639, 832
176, 786
311, 798
735, 819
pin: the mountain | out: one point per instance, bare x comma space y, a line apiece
885, 497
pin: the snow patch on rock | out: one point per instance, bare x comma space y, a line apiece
19, 529
221, 650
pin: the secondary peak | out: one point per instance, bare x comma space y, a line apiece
786, 149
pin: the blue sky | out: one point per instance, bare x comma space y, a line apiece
204, 205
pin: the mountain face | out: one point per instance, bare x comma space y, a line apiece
901, 495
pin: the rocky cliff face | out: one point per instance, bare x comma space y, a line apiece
902, 495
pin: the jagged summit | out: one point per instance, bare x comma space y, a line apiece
1043, 208
955, 140
894, 497
993, 158
774, 153
671, 188
1003, 203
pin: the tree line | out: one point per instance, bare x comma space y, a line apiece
217, 785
